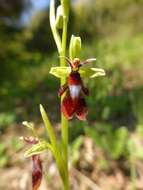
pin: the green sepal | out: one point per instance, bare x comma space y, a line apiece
38, 148
75, 47
62, 72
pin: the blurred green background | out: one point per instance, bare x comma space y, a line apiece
111, 31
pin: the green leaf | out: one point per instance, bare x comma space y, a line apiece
54, 145
49, 127
38, 149
61, 72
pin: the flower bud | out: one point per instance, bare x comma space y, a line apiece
36, 162
36, 172
65, 5
75, 47
59, 17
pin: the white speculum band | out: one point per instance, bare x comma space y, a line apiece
75, 90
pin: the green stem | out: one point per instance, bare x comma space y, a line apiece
61, 46
64, 121
63, 80
66, 184
64, 39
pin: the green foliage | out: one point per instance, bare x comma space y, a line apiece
16, 145
108, 18
113, 34
134, 147
136, 97
24, 55
3, 156
6, 119
112, 141
76, 129
75, 147
111, 96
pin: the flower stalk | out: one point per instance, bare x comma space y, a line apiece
61, 42
64, 121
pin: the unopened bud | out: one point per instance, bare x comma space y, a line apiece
65, 5
59, 17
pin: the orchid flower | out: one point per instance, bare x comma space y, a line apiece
36, 164
74, 101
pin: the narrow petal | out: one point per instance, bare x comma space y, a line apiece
88, 61
67, 107
62, 89
81, 109
36, 172
97, 72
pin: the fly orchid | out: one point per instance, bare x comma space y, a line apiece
74, 101
36, 164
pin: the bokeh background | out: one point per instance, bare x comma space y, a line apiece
107, 149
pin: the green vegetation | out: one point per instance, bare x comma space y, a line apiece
112, 31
